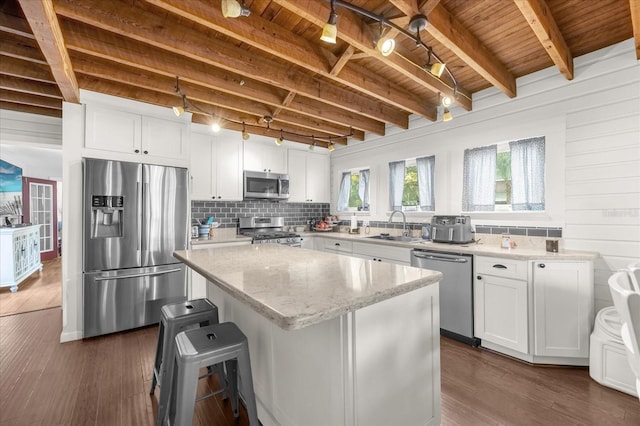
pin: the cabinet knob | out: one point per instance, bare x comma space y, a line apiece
137, 151
541, 265
337, 244
479, 277
146, 152
219, 196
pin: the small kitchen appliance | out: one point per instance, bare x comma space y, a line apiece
267, 230
451, 229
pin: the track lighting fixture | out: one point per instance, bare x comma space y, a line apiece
330, 29
280, 139
446, 115
245, 135
437, 69
385, 45
331, 147
233, 9
446, 101
313, 143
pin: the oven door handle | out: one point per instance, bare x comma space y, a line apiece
439, 258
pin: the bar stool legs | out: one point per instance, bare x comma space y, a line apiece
203, 347
175, 318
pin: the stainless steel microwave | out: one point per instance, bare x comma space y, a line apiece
261, 185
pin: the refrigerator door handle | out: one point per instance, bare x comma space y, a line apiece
144, 274
146, 217
139, 216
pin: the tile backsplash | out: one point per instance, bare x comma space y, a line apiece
227, 212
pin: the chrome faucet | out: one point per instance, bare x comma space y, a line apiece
405, 233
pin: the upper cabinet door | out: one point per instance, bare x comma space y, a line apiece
202, 172
228, 166
317, 178
297, 176
263, 158
165, 138
112, 130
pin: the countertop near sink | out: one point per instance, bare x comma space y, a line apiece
219, 238
521, 253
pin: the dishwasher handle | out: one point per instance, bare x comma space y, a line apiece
440, 258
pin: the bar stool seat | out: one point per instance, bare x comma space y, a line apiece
203, 347
176, 318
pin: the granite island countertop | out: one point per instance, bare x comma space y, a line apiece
296, 287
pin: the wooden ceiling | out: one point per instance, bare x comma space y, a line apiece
272, 63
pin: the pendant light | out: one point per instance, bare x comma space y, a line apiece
330, 29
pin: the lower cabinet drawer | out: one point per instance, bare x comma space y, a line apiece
501, 267
340, 246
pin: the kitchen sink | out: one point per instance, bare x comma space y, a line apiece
388, 237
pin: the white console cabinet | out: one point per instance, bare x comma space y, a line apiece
20, 253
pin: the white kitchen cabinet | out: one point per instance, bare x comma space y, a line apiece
119, 131
307, 243
332, 245
501, 302
308, 177
198, 283
216, 168
264, 158
563, 308
20, 255
382, 253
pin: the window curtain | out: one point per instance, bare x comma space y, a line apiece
363, 189
527, 174
396, 184
426, 167
345, 189
479, 181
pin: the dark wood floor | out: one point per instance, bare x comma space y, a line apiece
41, 290
105, 381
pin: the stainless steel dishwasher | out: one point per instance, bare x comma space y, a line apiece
456, 291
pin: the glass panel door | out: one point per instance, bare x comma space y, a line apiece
42, 213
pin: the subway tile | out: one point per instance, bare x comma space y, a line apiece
483, 229
498, 230
537, 232
517, 231
554, 233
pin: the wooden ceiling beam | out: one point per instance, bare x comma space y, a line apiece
445, 28
342, 60
143, 57
25, 69
21, 48
194, 93
30, 99
230, 119
541, 21
634, 5
14, 25
30, 109
173, 36
17, 84
46, 29
278, 41
353, 30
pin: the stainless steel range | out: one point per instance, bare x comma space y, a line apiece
268, 230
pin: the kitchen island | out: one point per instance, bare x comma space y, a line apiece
334, 340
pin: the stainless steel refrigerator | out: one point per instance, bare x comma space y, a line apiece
135, 216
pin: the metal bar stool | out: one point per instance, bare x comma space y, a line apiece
204, 347
175, 318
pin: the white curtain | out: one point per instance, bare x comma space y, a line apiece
363, 189
527, 174
345, 189
426, 167
479, 181
396, 184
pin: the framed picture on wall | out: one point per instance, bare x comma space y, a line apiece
10, 192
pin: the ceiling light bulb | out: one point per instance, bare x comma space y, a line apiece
386, 45
437, 69
330, 29
178, 110
447, 116
331, 147
215, 127
279, 140
446, 101
231, 8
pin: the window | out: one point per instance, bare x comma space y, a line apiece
506, 177
411, 184
354, 191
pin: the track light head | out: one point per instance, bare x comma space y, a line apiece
446, 101
331, 147
233, 9
330, 29
386, 45
279, 140
446, 115
215, 127
178, 110
437, 69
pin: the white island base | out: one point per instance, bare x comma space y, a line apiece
378, 365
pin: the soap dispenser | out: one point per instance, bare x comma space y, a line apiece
354, 223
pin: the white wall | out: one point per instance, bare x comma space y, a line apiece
592, 130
